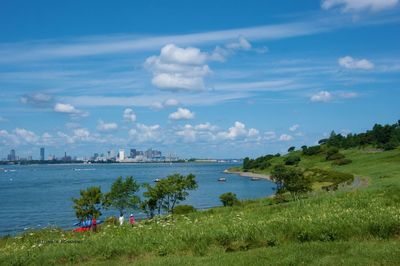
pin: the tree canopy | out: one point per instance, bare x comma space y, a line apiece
89, 203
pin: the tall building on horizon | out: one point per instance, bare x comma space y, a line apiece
12, 156
121, 155
42, 153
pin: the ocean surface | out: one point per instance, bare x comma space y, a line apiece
38, 196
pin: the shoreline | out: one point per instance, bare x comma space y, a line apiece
249, 174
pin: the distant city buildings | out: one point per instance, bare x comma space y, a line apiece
42, 154
12, 156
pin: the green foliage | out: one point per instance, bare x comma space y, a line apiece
290, 180
229, 199
313, 150
335, 177
89, 203
122, 195
261, 163
292, 160
386, 137
183, 209
343, 161
166, 193
291, 149
335, 156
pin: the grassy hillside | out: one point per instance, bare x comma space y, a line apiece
357, 225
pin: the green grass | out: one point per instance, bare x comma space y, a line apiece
357, 225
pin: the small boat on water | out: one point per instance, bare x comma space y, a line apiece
157, 180
221, 179
255, 178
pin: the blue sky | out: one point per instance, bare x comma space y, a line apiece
207, 79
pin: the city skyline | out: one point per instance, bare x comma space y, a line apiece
205, 80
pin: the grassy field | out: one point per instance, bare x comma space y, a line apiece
357, 225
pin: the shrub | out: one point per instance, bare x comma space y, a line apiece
335, 156
313, 150
343, 161
292, 160
183, 209
229, 199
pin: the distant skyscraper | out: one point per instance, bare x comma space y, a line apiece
42, 154
121, 155
133, 153
12, 156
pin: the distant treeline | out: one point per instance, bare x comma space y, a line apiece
386, 137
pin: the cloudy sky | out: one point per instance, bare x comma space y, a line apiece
208, 79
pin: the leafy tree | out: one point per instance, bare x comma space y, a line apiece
292, 160
122, 195
149, 206
229, 199
169, 191
291, 180
89, 203
291, 149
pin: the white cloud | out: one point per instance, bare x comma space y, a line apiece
105, 127
26, 135
269, 135
294, 127
144, 133
179, 68
129, 115
359, 5
239, 130
285, 137
348, 95
171, 102
351, 63
67, 108
241, 44
37, 99
182, 114
188, 133
206, 126
322, 96
201, 132
81, 134
8, 138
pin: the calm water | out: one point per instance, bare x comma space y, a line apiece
37, 196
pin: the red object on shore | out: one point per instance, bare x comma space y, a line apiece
132, 220
81, 229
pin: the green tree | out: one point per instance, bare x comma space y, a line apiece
292, 160
292, 180
291, 149
169, 191
229, 199
89, 203
122, 195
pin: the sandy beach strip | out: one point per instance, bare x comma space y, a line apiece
248, 174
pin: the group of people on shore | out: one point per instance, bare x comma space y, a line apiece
132, 220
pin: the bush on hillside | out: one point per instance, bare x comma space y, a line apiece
343, 161
292, 160
335, 156
313, 150
183, 209
229, 199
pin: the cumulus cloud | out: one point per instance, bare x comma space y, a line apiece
67, 108
351, 63
269, 135
179, 68
129, 115
359, 5
294, 127
239, 130
285, 137
145, 133
106, 127
81, 134
7, 138
182, 114
201, 132
322, 96
26, 135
